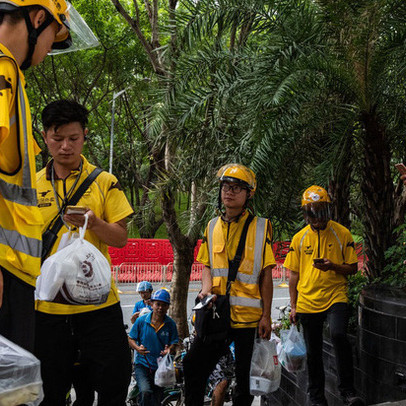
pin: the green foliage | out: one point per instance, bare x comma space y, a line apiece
394, 273
355, 285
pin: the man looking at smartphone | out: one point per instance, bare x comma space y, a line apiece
320, 258
64, 330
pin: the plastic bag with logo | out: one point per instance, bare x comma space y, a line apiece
20, 376
293, 351
165, 374
265, 374
78, 274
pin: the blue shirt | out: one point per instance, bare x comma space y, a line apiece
154, 341
140, 305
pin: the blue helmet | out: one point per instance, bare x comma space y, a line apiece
144, 286
162, 295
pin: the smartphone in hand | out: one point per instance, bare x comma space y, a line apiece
204, 302
401, 168
318, 260
75, 210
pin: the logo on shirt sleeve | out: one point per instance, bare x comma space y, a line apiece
115, 186
4, 84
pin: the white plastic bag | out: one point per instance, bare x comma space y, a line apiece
265, 374
165, 374
20, 376
77, 274
293, 352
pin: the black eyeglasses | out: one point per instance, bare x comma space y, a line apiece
232, 188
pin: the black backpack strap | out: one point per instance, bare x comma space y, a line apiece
51, 233
235, 262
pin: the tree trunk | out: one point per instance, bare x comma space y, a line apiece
339, 190
182, 265
183, 250
377, 194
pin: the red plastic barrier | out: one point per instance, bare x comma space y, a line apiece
158, 251
145, 250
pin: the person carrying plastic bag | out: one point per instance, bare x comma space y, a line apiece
321, 256
152, 336
66, 333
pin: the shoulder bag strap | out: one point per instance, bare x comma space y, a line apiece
56, 224
235, 262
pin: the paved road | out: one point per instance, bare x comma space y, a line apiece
128, 297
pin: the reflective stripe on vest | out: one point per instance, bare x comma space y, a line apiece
245, 301
22, 194
18, 242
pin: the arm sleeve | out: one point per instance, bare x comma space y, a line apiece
117, 206
135, 329
8, 87
292, 261
203, 255
349, 253
269, 259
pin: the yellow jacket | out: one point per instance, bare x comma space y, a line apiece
245, 296
20, 219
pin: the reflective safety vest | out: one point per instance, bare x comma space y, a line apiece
20, 218
245, 296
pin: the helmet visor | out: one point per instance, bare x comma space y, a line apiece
317, 211
74, 34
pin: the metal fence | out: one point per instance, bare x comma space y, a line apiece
134, 272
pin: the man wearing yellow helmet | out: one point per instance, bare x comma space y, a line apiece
320, 258
249, 293
29, 29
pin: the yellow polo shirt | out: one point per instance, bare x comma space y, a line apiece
318, 290
104, 197
232, 233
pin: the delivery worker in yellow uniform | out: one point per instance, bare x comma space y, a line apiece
29, 29
320, 258
64, 330
250, 295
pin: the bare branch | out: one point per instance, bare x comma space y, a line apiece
135, 26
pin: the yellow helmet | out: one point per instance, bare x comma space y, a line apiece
69, 20
238, 173
315, 194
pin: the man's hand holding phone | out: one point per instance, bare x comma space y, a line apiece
75, 215
323, 264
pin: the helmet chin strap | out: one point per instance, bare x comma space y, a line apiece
33, 34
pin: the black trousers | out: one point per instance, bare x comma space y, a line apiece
17, 316
337, 318
100, 339
201, 359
